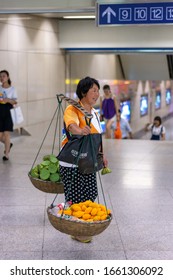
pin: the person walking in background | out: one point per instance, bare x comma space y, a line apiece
8, 98
79, 187
157, 129
126, 131
108, 109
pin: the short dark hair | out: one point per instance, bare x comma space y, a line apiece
106, 87
157, 118
84, 85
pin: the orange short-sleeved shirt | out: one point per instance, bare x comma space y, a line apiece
73, 115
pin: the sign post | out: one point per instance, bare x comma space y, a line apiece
134, 14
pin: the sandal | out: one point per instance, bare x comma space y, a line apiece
80, 239
5, 158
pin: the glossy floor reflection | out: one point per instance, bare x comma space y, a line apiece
139, 191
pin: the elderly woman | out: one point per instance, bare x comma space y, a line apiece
80, 187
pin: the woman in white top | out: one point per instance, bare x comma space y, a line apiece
8, 98
157, 129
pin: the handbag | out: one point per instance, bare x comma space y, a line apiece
84, 151
118, 132
16, 115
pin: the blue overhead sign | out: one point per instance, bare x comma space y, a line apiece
134, 13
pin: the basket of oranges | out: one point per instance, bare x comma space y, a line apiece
80, 219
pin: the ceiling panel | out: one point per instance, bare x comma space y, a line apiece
58, 8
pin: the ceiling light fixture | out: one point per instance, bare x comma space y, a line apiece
15, 18
79, 17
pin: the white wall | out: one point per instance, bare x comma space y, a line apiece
146, 66
84, 37
29, 50
85, 34
11, 5
98, 66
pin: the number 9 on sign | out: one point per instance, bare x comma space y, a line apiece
125, 14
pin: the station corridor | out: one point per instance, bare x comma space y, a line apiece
139, 191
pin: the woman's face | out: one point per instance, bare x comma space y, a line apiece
107, 92
3, 77
92, 95
156, 123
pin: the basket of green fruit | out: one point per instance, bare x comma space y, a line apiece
46, 177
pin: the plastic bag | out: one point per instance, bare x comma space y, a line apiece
16, 115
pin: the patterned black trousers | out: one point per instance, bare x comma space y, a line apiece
78, 187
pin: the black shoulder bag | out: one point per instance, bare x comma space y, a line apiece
84, 151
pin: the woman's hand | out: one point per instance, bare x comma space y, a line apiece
11, 101
75, 129
146, 127
86, 130
101, 118
105, 161
163, 136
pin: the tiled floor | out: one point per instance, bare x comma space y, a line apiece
139, 191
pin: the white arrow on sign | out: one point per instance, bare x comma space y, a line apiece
108, 12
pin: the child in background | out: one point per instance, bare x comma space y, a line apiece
157, 129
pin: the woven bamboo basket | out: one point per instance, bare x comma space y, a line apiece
47, 186
77, 228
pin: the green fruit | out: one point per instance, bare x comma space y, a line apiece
36, 169
53, 159
52, 168
40, 167
34, 174
45, 162
54, 177
48, 169
46, 157
106, 170
44, 174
